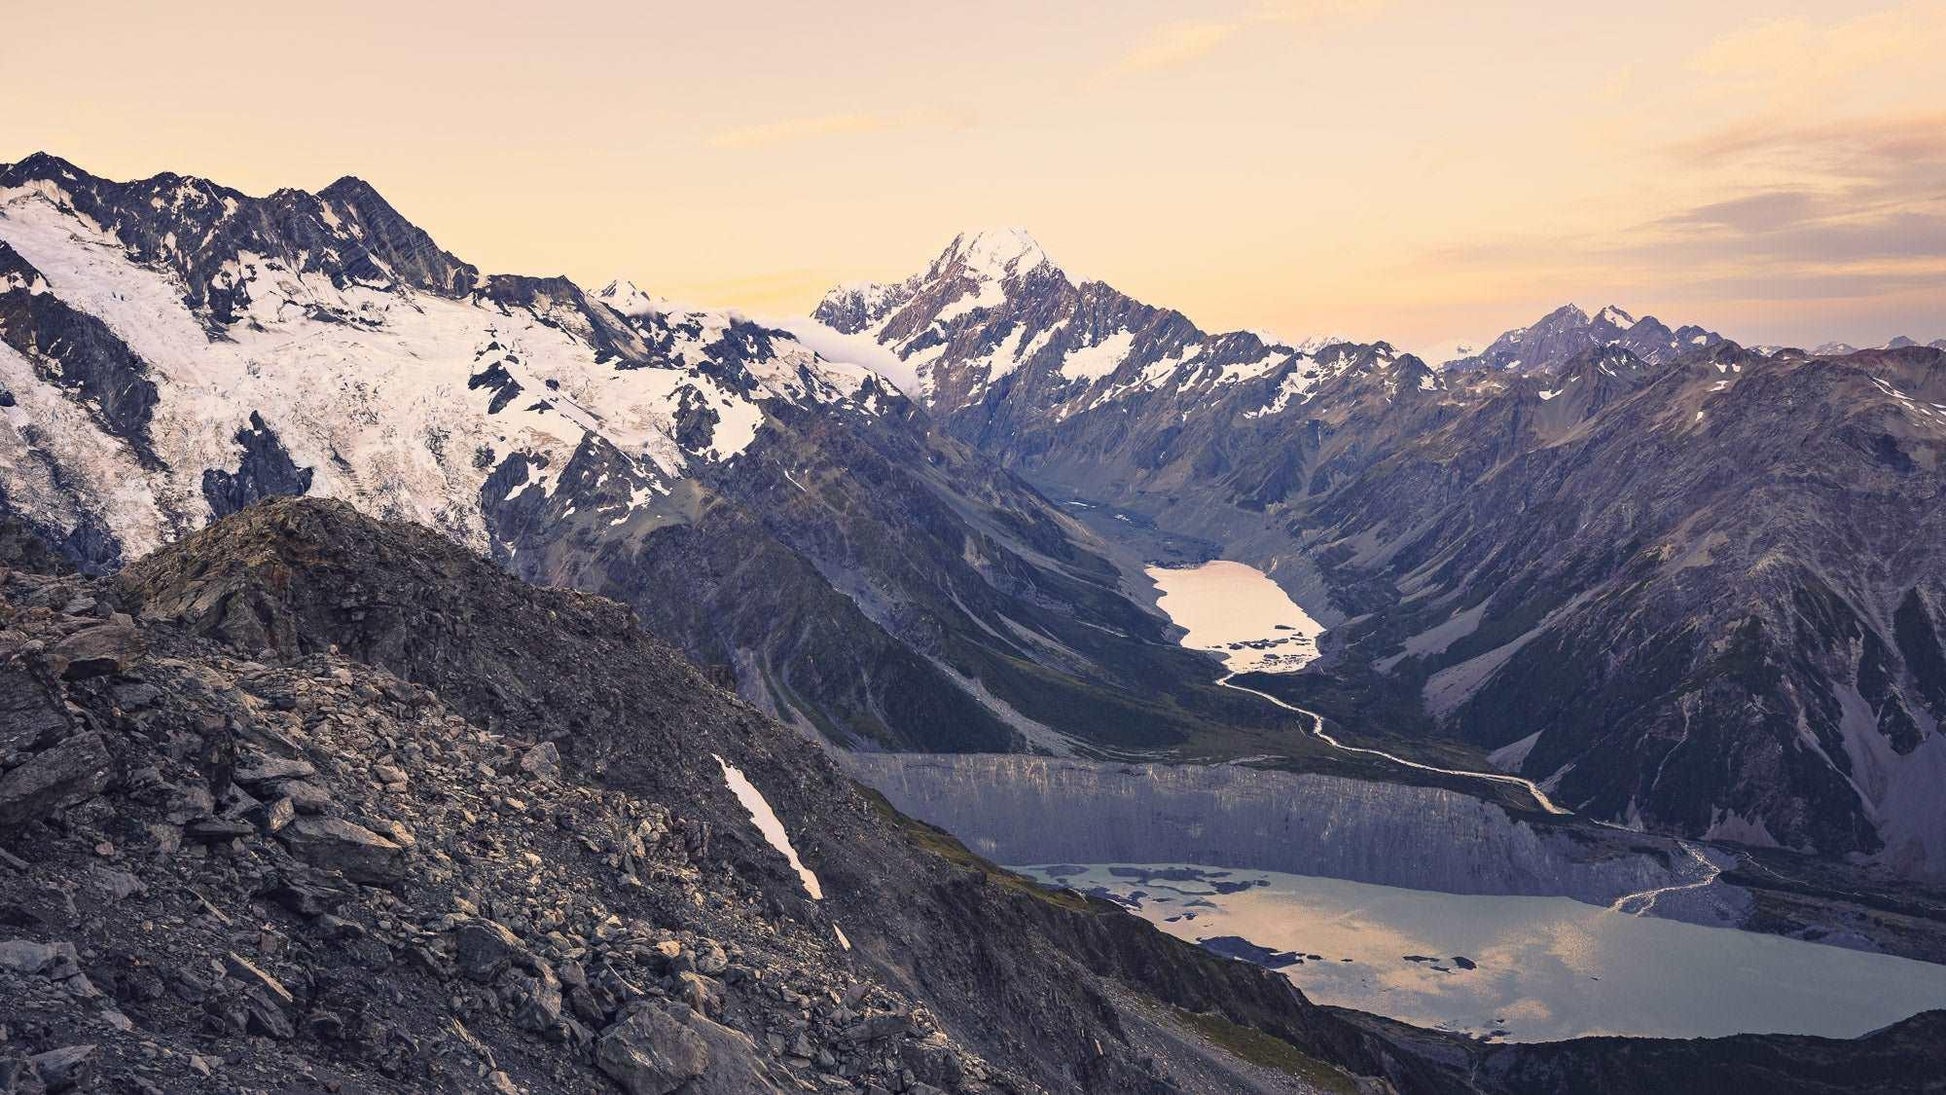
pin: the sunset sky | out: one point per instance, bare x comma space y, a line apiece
1416, 171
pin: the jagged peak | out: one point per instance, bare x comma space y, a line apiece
1616, 316
627, 297
356, 192
42, 164
993, 254
1569, 312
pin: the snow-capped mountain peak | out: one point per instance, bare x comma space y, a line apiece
169, 327
991, 254
629, 298
1615, 317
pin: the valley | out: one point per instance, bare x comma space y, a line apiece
1585, 920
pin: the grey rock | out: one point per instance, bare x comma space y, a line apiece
99, 650
116, 884
735, 1068
70, 1068
305, 796
484, 948
543, 761
353, 850
75, 769
55, 960
259, 768
253, 976
651, 1053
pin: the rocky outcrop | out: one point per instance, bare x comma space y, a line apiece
264, 471
335, 876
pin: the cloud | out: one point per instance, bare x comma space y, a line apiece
1804, 67
1871, 145
1800, 50
764, 134
1174, 45
1761, 212
1833, 210
857, 349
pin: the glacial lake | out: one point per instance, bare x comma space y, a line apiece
1525, 969
1237, 612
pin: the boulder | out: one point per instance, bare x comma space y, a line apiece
734, 1068
352, 850
543, 761
56, 960
932, 1059
253, 976
29, 713
99, 650
117, 884
257, 768
651, 1053
70, 1068
53, 779
484, 948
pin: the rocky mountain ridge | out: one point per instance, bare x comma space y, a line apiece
171, 350
1568, 332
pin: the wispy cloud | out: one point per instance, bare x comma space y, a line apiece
1801, 50
1840, 209
1802, 66
1173, 45
815, 127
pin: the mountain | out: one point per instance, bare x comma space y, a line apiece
1099, 398
172, 350
306, 801
1700, 598
344, 805
1568, 331
1685, 586
1903, 342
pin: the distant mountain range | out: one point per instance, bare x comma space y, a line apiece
1568, 331
1684, 585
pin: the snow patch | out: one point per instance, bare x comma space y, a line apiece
1099, 360
766, 822
858, 349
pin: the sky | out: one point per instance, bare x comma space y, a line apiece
1423, 172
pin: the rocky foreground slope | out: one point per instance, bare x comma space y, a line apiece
348, 806
312, 803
